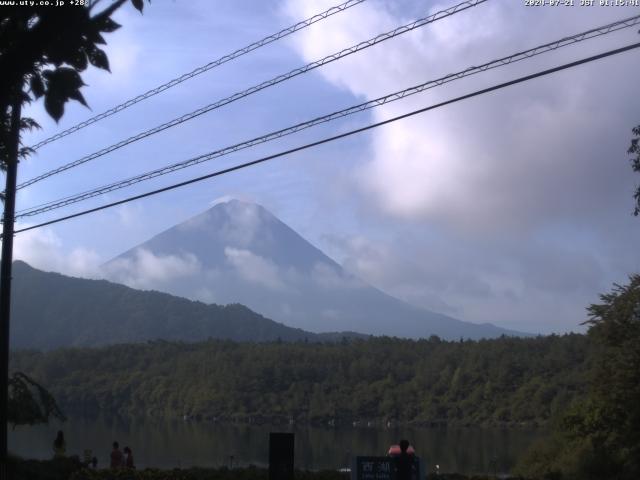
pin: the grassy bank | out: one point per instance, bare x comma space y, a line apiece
72, 469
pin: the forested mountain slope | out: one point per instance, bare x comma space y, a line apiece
489, 382
50, 310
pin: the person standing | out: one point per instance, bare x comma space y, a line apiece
59, 445
117, 459
404, 462
128, 462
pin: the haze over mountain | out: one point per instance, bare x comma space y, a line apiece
50, 310
238, 252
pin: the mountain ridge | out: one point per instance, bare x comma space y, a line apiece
240, 252
52, 310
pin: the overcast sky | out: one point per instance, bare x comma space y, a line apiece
512, 208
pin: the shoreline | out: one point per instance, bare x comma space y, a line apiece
70, 468
284, 421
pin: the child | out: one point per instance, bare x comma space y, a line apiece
128, 463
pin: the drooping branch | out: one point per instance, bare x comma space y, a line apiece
30, 403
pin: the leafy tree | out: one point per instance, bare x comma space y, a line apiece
612, 414
634, 149
377, 380
30, 402
599, 437
43, 51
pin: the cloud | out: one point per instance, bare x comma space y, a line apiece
247, 222
235, 222
531, 287
514, 158
512, 207
242, 197
328, 277
254, 268
146, 270
43, 249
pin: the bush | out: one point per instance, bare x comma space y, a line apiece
250, 473
175, 474
56, 469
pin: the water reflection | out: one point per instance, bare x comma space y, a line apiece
178, 443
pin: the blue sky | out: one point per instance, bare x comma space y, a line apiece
513, 208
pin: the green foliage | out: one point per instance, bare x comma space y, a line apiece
57, 469
563, 457
634, 149
30, 402
611, 416
250, 473
71, 469
506, 381
599, 437
43, 51
458, 476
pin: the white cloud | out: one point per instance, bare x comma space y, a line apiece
43, 249
254, 268
236, 223
228, 198
531, 287
510, 207
482, 163
246, 223
327, 276
147, 270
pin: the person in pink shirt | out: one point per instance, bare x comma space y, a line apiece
117, 459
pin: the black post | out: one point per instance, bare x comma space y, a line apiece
5, 277
281, 456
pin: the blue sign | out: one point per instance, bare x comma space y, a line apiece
372, 468
381, 468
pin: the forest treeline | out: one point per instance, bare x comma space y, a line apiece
505, 381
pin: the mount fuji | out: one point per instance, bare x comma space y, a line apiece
238, 252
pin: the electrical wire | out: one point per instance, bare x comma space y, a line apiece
204, 68
337, 137
274, 81
516, 57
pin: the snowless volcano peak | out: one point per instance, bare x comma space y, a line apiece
239, 252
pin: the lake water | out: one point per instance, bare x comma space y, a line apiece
178, 443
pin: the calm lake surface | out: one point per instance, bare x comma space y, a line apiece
178, 443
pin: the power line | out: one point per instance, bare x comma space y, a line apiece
204, 68
274, 81
339, 136
516, 57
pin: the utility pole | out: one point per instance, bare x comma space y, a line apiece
5, 275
